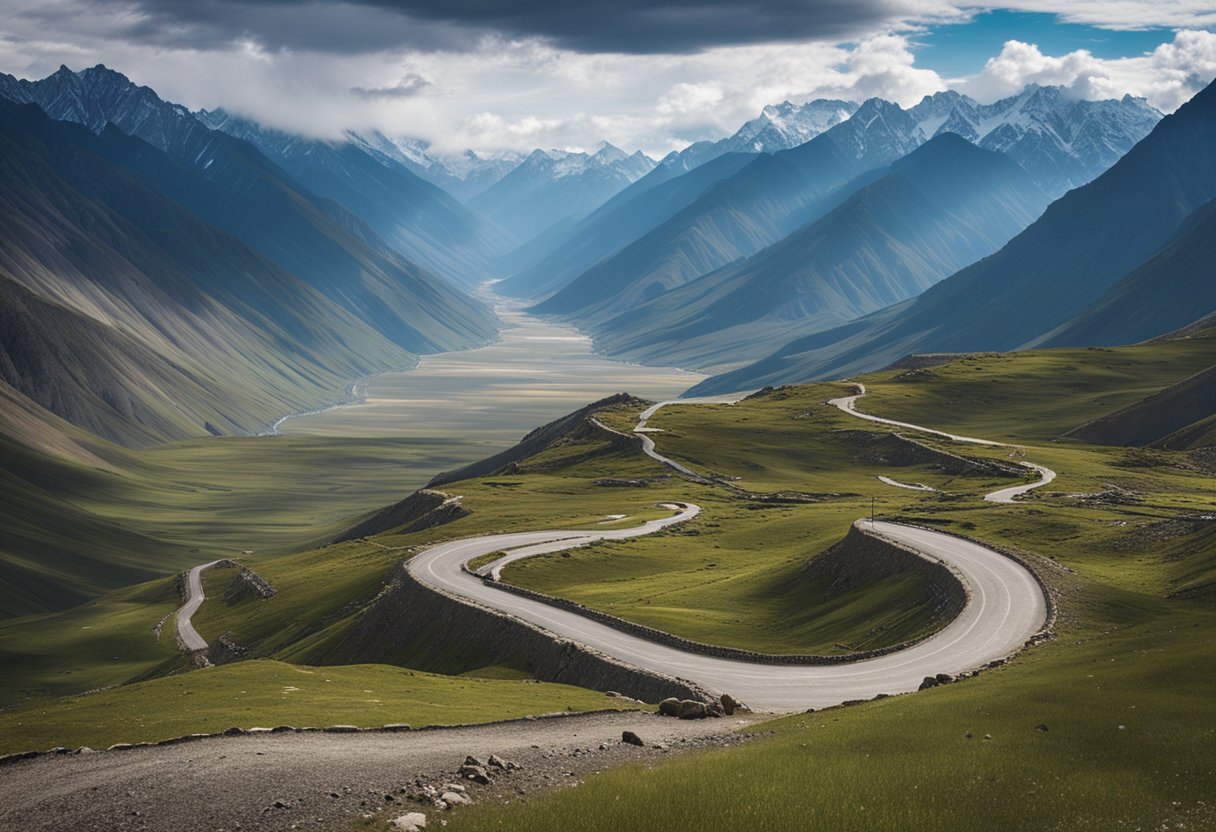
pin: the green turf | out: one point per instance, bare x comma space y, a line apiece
269, 693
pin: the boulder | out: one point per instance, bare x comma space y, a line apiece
477, 774
454, 798
630, 738
497, 762
411, 822
944, 678
670, 707
929, 682
691, 709
729, 705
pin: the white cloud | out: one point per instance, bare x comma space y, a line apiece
499, 93
1167, 76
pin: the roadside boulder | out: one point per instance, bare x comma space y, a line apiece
410, 822
929, 682
454, 798
944, 678
477, 774
691, 709
670, 707
630, 738
729, 705
497, 762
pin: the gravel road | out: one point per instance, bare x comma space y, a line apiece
322, 779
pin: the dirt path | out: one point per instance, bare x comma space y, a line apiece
323, 779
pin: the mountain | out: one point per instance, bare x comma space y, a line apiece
1166, 293
228, 183
739, 215
943, 206
621, 220
778, 127
785, 125
1062, 141
418, 218
1055, 270
552, 185
463, 175
125, 314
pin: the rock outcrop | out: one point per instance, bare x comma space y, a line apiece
424, 509
248, 584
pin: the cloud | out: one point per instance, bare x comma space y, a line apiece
477, 89
1167, 76
409, 86
1124, 15
618, 26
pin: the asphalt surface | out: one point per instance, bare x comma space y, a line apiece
186, 633
1005, 608
848, 404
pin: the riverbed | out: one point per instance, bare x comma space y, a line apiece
493, 395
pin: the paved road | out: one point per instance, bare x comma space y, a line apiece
648, 446
1006, 608
848, 404
194, 599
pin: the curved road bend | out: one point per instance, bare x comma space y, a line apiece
848, 404
194, 599
1006, 607
648, 446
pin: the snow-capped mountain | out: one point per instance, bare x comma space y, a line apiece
419, 218
778, 127
785, 125
554, 185
98, 96
463, 175
1062, 141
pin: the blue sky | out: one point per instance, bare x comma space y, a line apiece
956, 50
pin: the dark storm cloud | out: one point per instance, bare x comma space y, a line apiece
633, 26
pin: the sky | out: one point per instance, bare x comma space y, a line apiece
655, 75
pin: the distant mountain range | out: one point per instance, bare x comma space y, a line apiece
553, 186
1125, 257
190, 285
1060, 140
902, 228
463, 175
418, 218
738, 216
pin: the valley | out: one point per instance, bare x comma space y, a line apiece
389, 449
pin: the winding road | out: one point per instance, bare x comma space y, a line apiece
848, 404
186, 633
1005, 607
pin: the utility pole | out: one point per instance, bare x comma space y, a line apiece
872, 501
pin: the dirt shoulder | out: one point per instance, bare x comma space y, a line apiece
322, 780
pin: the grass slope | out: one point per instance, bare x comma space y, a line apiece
268, 693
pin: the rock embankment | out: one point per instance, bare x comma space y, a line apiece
546, 436
863, 557
248, 584
424, 509
413, 624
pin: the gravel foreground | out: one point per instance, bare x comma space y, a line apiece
323, 780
